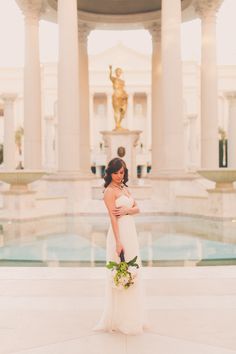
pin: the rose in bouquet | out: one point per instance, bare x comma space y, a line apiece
123, 273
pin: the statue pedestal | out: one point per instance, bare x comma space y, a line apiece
126, 139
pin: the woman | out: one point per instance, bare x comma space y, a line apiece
123, 310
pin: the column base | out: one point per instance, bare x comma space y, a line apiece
173, 175
70, 176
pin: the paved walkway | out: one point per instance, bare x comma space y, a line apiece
192, 310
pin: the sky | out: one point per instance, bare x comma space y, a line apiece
12, 37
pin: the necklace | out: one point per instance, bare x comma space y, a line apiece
120, 187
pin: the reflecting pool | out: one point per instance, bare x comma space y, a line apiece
80, 241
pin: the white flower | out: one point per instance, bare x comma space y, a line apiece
123, 275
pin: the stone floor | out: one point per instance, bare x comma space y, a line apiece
192, 310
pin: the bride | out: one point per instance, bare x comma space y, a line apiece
124, 309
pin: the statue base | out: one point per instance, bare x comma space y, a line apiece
120, 129
122, 143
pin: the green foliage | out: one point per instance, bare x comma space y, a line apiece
123, 265
112, 265
123, 277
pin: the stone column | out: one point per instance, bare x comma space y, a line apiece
231, 96
157, 126
85, 159
68, 89
206, 9
130, 112
91, 119
192, 142
32, 85
55, 144
171, 156
149, 121
110, 113
9, 131
49, 159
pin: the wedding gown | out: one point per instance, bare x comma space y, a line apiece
123, 309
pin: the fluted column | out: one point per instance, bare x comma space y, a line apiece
172, 130
32, 85
49, 158
157, 126
110, 119
192, 142
9, 131
130, 111
149, 121
68, 89
84, 139
231, 96
91, 119
206, 9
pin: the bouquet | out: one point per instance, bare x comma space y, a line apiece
123, 273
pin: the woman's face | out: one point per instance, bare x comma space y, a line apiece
118, 176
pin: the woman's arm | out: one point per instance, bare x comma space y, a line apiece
123, 210
109, 199
134, 209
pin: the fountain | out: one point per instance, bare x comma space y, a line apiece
19, 201
221, 199
223, 178
20, 179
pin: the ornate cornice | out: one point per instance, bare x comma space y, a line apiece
230, 95
205, 8
8, 97
32, 9
155, 31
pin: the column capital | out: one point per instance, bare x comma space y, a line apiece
207, 8
31, 9
8, 97
83, 32
192, 116
155, 31
49, 118
231, 97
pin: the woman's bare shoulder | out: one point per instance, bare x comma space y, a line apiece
108, 193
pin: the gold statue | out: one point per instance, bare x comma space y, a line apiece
119, 97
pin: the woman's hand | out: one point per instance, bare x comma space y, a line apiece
119, 248
120, 211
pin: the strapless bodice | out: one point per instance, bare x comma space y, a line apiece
128, 201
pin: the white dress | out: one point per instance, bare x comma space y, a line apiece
123, 309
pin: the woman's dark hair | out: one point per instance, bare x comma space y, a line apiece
113, 166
